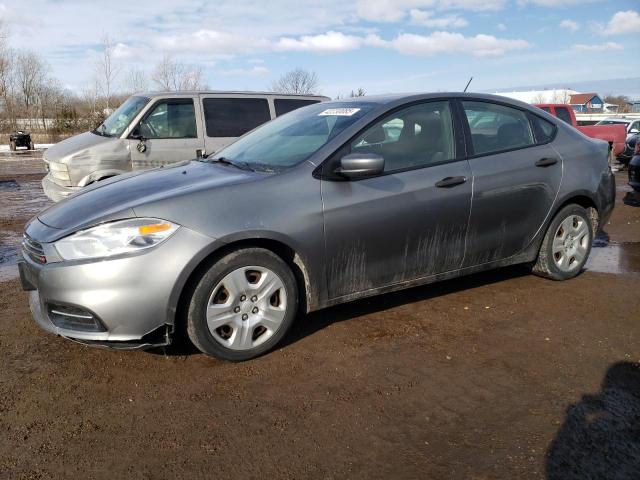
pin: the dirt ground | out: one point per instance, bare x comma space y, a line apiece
499, 375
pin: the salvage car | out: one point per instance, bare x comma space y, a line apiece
323, 205
153, 129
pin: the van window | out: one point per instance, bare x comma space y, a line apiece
233, 117
115, 124
286, 105
172, 118
496, 128
563, 114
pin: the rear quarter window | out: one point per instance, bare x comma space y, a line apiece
543, 130
286, 105
233, 117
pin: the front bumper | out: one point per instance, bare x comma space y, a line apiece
131, 296
54, 191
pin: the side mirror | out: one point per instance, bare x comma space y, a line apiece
360, 165
135, 134
634, 130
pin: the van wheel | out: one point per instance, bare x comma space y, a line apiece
566, 245
243, 305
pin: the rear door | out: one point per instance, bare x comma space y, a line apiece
227, 118
516, 177
170, 133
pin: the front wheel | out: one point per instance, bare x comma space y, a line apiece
566, 245
243, 305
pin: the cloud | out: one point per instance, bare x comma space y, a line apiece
212, 42
621, 23
601, 47
391, 11
570, 25
330, 42
446, 42
257, 71
501, 26
427, 19
553, 3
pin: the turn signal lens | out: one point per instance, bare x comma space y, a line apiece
155, 228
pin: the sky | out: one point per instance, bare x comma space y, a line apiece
379, 45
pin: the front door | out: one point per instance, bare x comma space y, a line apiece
405, 223
169, 133
516, 177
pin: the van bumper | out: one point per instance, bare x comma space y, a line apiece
56, 192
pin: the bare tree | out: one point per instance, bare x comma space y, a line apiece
171, 75
136, 80
297, 81
107, 70
360, 92
30, 74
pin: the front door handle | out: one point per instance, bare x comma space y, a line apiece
450, 182
545, 162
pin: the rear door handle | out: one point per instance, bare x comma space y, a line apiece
545, 162
450, 182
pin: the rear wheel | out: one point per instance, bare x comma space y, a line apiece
12, 145
566, 245
243, 305
32, 146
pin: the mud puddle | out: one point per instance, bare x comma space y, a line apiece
9, 255
611, 257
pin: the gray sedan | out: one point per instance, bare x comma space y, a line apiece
327, 204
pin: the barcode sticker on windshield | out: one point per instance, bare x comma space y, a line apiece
339, 112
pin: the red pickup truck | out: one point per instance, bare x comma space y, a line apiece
616, 135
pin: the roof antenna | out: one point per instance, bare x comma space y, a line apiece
468, 83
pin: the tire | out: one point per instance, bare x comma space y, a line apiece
31, 146
251, 297
12, 146
566, 245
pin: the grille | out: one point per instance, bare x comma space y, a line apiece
33, 249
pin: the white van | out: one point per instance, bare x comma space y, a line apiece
153, 129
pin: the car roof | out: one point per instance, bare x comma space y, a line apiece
407, 97
155, 94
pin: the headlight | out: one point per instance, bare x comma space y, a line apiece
115, 238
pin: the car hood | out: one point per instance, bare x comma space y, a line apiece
77, 145
118, 197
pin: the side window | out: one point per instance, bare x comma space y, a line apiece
173, 118
546, 109
543, 130
495, 128
563, 114
285, 105
233, 117
416, 136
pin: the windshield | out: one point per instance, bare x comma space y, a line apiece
116, 123
292, 138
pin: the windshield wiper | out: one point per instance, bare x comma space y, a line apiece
226, 161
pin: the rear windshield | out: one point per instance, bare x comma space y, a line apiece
291, 139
